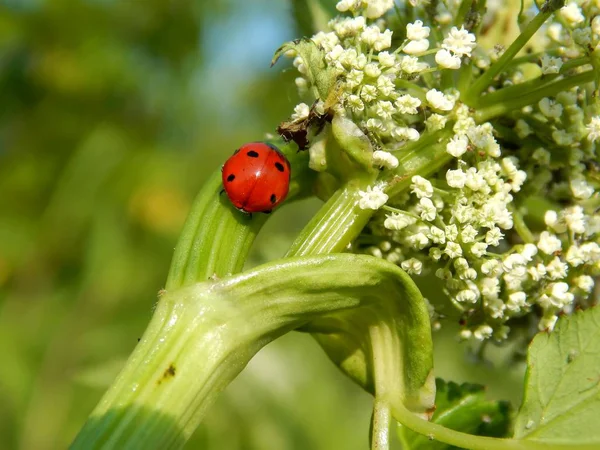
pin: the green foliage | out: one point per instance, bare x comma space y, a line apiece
562, 391
320, 76
462, 408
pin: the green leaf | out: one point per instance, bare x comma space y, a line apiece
463, 408
321, 76
562, 392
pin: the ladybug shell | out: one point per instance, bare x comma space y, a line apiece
256, 177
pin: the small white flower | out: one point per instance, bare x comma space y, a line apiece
575, 256
456, 178
435, 253
580, 188
512, 262
439, 101
405, 134
468, 234
301, 111
348, 5
560, 294
457, 146
370, 35
397, 221
447, 60
550, 108
418, 241
407, 104
421, 187
453, 250
549, 243
465, 334
416, 31
483, 332
354, 78
557, 269
377, 8
375, 125
490, 287
385, 85
416, 47
355, 103
384, 109
410, 65
437, 235
466, 296
461, 42
585, 283
551, 65
386, 59
384, 41
528, 252
428, 211
372, 70
451, 232
491, 267
538, 272
593, 128
517, 301
412, 266
385, 159
368, 93
572, 13
372, 198
552, 220
436, 122
479, 249
575, 219
493, 236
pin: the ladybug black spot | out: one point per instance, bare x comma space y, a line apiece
279, 166
231, 177
252, 154
273, 198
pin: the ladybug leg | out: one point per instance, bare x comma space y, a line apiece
268, 211
221, 191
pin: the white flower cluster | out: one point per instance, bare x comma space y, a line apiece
359, 50
465, 222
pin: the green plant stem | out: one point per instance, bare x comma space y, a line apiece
528, 98
202, 336
470, 97
521, 227
335, 225
464, 440
382, 418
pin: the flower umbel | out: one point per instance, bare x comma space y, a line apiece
506, 220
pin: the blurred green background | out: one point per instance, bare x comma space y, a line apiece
112, 114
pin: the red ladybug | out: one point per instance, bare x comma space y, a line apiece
256, 177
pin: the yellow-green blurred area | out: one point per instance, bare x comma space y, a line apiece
112, 114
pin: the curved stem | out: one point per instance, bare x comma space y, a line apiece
202, 336
438, 432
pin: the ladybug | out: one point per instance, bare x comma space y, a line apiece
256, 177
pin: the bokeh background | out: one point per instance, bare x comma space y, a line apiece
112, 114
